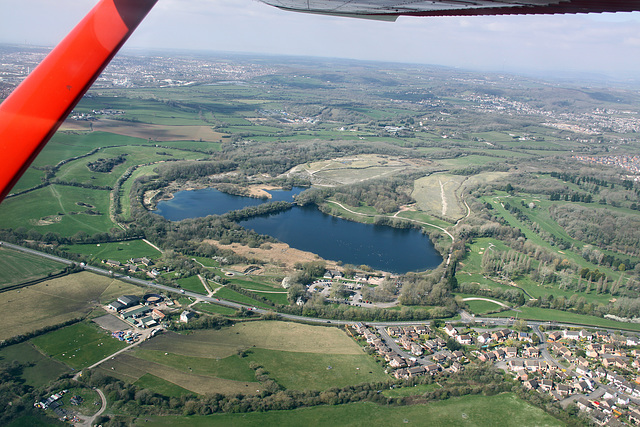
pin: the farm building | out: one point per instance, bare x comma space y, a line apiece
185, 316
125, 301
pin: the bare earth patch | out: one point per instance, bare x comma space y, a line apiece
278, 253
261, 190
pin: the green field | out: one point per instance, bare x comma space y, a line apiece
79, 345
56, 208
215, 308
314, 371
481, 307
77, 171
192, 284
19, 267
118, 251
30, 178
231, 295
38, 370
161, 386
205, 361
231, 367
501, 410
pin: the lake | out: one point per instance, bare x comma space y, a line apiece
306, 228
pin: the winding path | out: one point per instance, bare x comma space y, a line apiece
88, 421
486, 299
453, 239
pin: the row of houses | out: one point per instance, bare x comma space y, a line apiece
409, 368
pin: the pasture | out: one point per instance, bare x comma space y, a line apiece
132, 369
161, 386
231, 295
79, 345
56, 208
205, 361
77, 170
215, 309
481, 307
119, 251
192, 284
19, 267
508, 410
56, 301
29, 179
315, 371
38, 369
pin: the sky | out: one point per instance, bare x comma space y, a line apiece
603, 44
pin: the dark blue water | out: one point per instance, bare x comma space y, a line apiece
306, 228
208, 201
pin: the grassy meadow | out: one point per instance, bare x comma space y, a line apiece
296, 356
79, 345
56, 301
18, 267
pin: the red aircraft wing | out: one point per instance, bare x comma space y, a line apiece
39, 105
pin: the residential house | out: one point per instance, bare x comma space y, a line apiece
583, 403
524, 336
464, 339
484, 339
532, 365
546, 385
516, 365
432, 368
511, 352
581, 361
397, 362
416, 349
555, 336
532, 352
401, 374
450, 330
563, 389
456, 367
416, 371
393, 331
584, 334
571, 335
